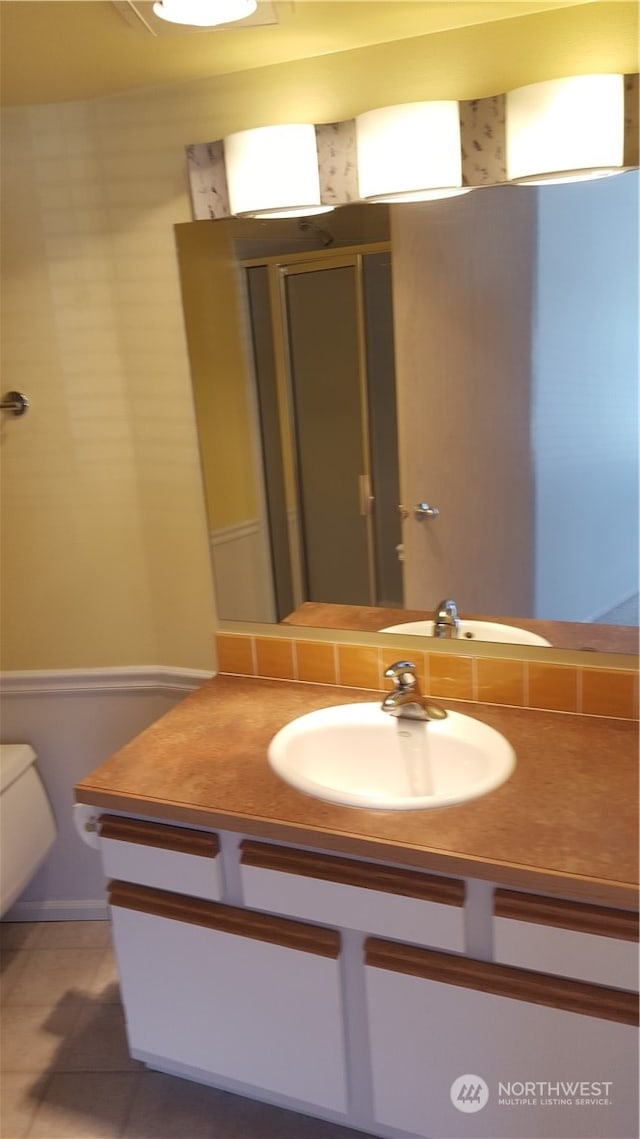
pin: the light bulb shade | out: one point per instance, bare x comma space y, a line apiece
410, 152
273, 172
565, 129
204, 13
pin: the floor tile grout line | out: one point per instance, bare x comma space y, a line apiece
47, 1078
135, 1087
6, 991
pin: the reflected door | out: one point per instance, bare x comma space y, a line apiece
463, 272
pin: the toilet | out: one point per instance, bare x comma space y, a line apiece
27, 825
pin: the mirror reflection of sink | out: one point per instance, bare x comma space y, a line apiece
473, 630
360, 756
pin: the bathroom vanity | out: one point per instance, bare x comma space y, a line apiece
467, 971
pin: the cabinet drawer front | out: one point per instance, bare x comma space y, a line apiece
166, 857
570, 939
232, 1007
388, 901
547, 1071
226, 919
525, 985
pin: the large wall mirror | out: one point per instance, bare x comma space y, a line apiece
473, 361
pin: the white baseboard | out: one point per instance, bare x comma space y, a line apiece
59, 911
604, 617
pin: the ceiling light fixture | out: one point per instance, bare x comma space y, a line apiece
273, 172
204, 13
410, 152
565, 130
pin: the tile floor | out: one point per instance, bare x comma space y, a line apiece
66, 1072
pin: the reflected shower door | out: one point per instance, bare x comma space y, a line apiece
323, 348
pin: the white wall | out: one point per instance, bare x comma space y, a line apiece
75, 721
585, 383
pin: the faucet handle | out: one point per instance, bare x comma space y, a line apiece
403, 674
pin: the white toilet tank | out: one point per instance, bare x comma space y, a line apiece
27, 825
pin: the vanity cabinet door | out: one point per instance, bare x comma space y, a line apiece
222, 994
523, 1052
571, 939
161, 855
389, 901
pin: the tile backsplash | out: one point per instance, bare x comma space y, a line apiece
596, 691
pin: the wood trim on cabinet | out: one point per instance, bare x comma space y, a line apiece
349, 872
504, 981
161, 835
228, 919
578, 916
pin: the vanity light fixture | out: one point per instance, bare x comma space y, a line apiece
204, 13
565, 130
273, 172
410, 152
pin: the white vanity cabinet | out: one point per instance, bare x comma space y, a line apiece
570, 939
222, 994
552, 1057
343, 988
390, 901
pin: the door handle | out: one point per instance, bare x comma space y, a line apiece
421, 511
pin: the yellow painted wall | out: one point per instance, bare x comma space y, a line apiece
104, 548
220, 364
104, 539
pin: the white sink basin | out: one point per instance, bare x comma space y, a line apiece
474, 630
360, 756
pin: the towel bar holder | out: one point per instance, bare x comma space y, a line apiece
15, 402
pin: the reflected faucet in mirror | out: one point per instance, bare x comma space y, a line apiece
447, 625
446, 622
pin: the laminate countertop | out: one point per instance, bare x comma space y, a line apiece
564, 823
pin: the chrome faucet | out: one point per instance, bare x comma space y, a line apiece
445, 619
406, 700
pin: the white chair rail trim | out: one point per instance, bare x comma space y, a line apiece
131, 678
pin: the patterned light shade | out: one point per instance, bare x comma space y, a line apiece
410, 152
204, 13
565, 130
273, 172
